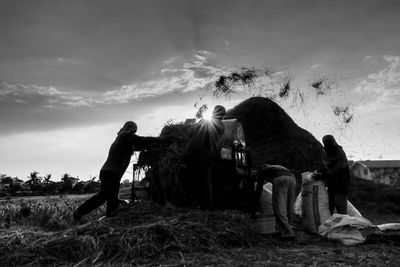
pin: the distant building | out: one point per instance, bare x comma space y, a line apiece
383, 171
361, 170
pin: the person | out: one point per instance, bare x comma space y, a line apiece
118, 159
283, 196
199, 156
336, 173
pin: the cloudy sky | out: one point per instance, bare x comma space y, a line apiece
72, 72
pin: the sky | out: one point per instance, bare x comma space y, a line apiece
72, 72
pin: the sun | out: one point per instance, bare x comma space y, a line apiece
207, 115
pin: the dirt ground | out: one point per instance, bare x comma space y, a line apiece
271, 252
307, 250
380, 249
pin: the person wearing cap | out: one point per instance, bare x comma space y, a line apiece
113, 169
283, 196
199, 156
337, 174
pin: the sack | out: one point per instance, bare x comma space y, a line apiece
352, 211
265, 221
315, 205
306, 178
344, 228
266, 199
389, 226
297, 206
346, 235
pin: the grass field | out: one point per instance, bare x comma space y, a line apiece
146, 234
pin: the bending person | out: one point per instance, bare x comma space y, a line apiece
283, 196
118, 159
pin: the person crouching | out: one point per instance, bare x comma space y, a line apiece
283, 196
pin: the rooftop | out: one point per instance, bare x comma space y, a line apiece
381, 163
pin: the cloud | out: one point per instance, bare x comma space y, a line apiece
370, 59
382, 89
189, 76
315, 66
62, 61
47, 96
40, 95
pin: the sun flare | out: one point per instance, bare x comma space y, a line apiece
207, 115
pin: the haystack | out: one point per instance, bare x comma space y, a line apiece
274, 138
271, 135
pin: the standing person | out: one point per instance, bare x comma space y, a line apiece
283, 196
118, 159
336, 171
201, 153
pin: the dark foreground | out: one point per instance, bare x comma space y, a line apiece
146, 234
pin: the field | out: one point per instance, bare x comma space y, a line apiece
146, 234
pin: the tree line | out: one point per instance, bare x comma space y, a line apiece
44, 185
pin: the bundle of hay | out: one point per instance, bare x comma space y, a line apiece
272, 136
164, 162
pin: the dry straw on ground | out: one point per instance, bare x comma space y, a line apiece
137, 234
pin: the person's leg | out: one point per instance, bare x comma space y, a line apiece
208, 190
331, 198
279, 204
112, 196
95, 201
341, 203
291, 198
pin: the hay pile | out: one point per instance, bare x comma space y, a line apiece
139, 234
273, 137
164, 162
369, 197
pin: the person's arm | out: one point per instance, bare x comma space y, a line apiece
140, 143
262, 178
125, 166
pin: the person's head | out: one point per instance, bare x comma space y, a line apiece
329, 142
129, 126
219, 112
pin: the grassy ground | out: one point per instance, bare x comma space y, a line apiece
150, 235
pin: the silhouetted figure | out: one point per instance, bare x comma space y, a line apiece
118, 159
283, 195
201, 153
336, 172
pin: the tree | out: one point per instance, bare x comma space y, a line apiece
5, 184
68, 183
78, 187
34, 182
5, 179
46, 179
17, 185
91, 186
49, 187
